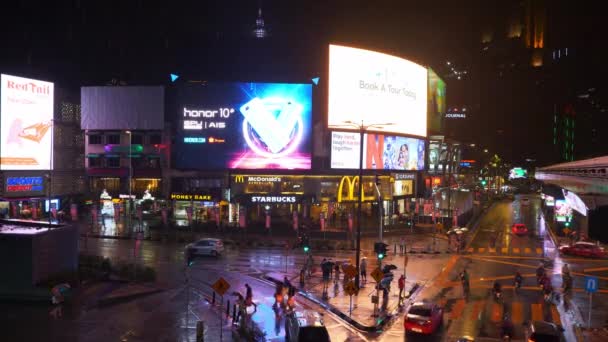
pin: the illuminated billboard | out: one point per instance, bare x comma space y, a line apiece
518, 172
575, 202
563, 212
244, 126
436, 102
380, 152
374, 88
26, 126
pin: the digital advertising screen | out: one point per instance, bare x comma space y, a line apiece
244, 126
26, 123
575, 202
434, 147
563, 212
374, 88
436, 102
518, 172
380, 152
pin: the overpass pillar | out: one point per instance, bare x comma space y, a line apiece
583, 225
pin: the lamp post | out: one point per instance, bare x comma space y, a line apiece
362, 128
130, 178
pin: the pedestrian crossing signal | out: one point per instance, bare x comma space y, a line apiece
306, 249
380, 256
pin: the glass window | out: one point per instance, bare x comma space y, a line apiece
94, 162
114, 139
113, 162
155, 139
137, 139
95, 139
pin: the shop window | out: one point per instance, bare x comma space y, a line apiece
113, 162
95, 162
95, 139
155, 139
114, 139
137, 139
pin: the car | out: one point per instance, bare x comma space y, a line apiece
305, 325
519, 229
583, 249
541, 331
423, 318
206, 246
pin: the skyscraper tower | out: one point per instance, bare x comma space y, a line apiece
260, 30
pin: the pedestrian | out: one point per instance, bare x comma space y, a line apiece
336, 273
242, 307
401, 288
309, 263
331, 268
464, 278
363, 266
325, 270
402, 245
286, 285
565, 270
249, 298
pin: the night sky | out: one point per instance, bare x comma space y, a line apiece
76, 43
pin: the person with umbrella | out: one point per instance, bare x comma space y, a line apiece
363, 266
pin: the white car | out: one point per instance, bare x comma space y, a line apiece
206, 246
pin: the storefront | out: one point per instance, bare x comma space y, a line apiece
403, 189
201, 207
25, 196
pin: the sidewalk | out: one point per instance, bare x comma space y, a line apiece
420, 270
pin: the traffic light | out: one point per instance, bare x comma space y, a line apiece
567, 224
380, 248
306, 244
483, 182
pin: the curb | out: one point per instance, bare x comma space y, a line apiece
381, 322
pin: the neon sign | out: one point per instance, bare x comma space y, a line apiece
24, 184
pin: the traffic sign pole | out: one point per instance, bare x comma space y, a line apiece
591, 285
590, 306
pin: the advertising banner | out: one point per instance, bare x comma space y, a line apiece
267, 221
436, 102
563, 211
380, 152
403, 187
295, 220
244, 126
26, 126
374, 88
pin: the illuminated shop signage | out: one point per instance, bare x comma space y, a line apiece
23, 184
189, 197
287, 199
399, 176
256, 179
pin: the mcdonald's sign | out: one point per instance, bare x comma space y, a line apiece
351, 181
239, 179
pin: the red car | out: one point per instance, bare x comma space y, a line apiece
519, 229
584, 249
423, 318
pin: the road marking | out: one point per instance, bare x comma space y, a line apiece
517, 313
537, 312
555, 315
515, 250
442, 277
492, 250
504, 250
539, 250
527, 250
457, 309
471, 250
496, 312
500, 262
477, 308
596, 269
481, 249
502, 277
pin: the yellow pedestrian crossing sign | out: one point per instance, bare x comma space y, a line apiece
350, 288
377, 274
220, 286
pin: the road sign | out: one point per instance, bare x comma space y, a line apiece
591, 284
220, 286
349, 270
377, 274
350, 288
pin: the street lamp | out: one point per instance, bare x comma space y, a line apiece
362, 128
130, 178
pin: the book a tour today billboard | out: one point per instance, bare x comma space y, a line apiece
26, 123
368, 87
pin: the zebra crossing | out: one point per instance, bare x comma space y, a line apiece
506, 251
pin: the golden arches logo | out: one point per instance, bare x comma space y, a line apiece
352, 181
239, 179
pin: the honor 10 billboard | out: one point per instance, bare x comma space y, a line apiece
380, 152
244, 126
26, 123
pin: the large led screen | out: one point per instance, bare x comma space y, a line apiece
374, 88
380, 152
26, 123
244, 126
436, 102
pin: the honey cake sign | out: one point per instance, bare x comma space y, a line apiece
26, 114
